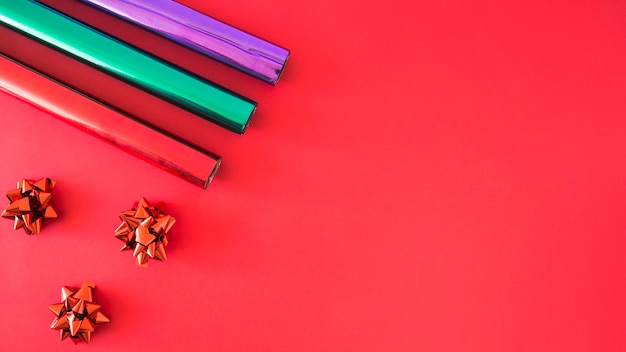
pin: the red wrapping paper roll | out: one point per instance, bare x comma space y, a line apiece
123, 131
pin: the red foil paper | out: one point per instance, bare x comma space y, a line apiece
105, 122
77, 315
145, 231
30, 205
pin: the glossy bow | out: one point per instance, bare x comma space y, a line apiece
144, 229
30, 205
77, 315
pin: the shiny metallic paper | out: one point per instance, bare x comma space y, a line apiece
124, 62
100, 120
30, 205
204, 34
145, 231
77, 315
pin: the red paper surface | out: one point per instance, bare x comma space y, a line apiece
426, 176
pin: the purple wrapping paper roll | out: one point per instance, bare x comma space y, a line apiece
204, 34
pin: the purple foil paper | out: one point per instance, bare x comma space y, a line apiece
204, 34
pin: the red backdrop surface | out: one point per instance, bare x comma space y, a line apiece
426, 176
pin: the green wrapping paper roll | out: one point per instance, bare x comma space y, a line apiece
120, 60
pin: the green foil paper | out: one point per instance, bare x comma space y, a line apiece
120, 60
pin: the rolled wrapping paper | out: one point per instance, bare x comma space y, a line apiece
127, 63
108, 90
148, 41
204, 34
188, 163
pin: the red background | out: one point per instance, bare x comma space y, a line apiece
426, 176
